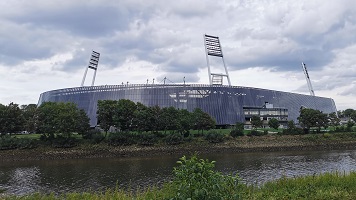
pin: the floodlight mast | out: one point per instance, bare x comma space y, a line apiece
308, 79
93, 64
213, 48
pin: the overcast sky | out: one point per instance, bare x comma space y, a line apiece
46, 45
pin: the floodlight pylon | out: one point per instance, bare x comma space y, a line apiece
308, 79
93, 64
213, 48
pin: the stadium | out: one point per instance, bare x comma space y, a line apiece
225, 103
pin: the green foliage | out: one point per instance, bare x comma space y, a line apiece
61, 118
333, 119
202, 121
124, 114
11, 119
105, 112
273, 123
122, 138
235, 133
257, 133
214, 136
147, 139
195, 179
30, 116
94, 136
312, 118
174, 138
238, 130
256, 121
60, 141
8, 142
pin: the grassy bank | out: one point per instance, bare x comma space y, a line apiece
271, 142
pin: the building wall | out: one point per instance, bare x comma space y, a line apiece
224, 103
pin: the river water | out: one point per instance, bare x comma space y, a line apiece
59, 176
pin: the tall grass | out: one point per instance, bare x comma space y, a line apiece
326, 186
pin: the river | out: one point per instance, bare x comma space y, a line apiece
59, 176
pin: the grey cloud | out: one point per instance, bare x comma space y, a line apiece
82, 20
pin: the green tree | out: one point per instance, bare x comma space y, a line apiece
124, 114
353, 116
202, 121
11, 118
312, 118
291, 125
185, 121
105, 114
155, 113
349, 125
60, 118
30, 116
273, 123
142, 119
348, 112
83, 122
169, 118
256, 121
333, 119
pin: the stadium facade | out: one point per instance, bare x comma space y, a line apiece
226, 104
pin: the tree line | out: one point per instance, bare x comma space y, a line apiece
60, 118
125, 115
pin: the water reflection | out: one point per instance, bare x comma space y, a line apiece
95, 174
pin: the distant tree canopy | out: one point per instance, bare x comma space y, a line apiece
256, 121
312, 118
11, 118
127, 115
61, 118
273, 123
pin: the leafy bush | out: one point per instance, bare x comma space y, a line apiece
174, 138
147, 139
214, 137
293, 131
122, 138
236, 133
63, 142
257, 133
94, 136
195, 179
8, 142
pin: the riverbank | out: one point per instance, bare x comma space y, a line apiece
267, 143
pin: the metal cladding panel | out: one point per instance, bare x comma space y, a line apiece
224, 103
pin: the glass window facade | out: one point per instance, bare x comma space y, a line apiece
224, 103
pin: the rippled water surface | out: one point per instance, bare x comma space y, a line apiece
94, 174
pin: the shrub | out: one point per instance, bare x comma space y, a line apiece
8, 142
235, 133
293, 131
63, 142
195, 179
214, 137
255, 133
147, 139
122, 138
174, 138
94, 136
